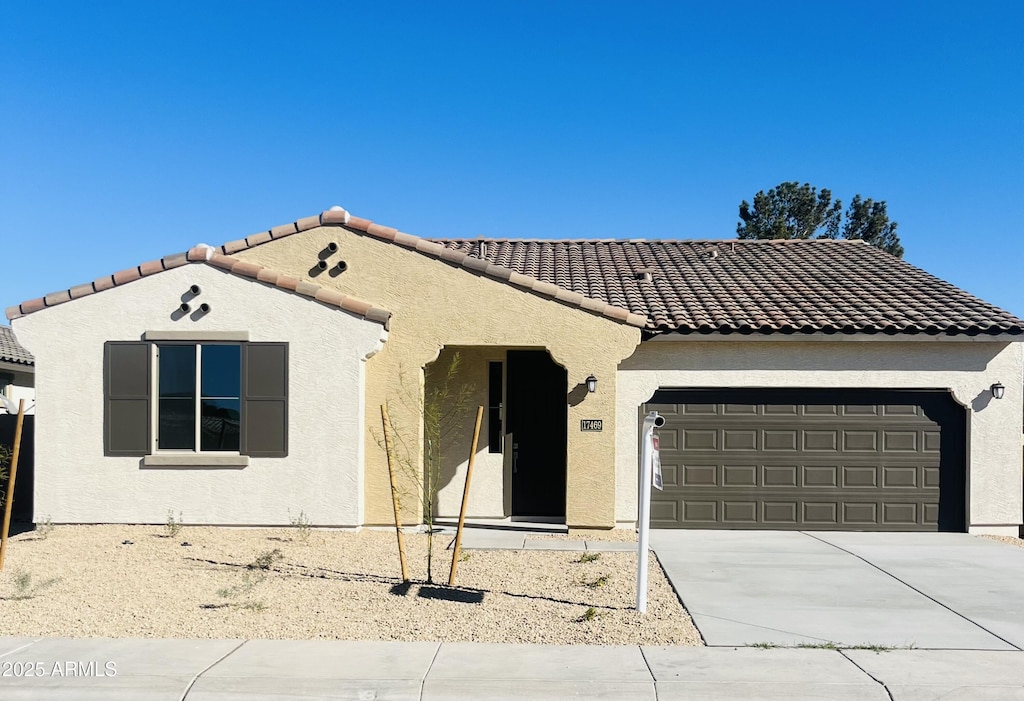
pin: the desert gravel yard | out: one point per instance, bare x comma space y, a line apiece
136, 581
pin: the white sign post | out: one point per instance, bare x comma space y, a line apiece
650, 464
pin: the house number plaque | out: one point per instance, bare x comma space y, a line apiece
591, 424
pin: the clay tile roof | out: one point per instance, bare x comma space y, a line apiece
11, 351
203, 254
812, 286
827, 286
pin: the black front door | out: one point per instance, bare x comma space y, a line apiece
536, 416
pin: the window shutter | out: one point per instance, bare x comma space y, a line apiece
265, 400
126, 402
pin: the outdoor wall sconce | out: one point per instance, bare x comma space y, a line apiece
998, 390
341, 267
591, 384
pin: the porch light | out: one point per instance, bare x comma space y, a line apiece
591, 384
998, 390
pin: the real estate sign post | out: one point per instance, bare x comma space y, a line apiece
650, 464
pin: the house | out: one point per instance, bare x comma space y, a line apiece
806, 384
17, 370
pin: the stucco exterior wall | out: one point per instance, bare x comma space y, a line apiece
487, 492
965, 368
76, 483
435, 304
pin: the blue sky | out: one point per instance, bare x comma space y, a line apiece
132, 130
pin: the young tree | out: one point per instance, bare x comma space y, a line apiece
443, 407
795, 211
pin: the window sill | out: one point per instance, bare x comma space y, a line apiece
196, 460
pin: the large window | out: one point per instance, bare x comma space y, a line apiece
170, 400
199, 380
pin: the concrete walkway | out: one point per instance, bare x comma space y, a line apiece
257, 670
921, 590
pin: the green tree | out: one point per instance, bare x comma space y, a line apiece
868, 220
790, 211
795, 211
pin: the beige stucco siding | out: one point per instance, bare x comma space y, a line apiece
435, 304
966, 368
76, 483
487, 491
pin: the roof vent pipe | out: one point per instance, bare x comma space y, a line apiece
204, 308
321, 264
341, 267
185, 308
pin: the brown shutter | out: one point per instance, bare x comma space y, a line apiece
265, 400
126, 400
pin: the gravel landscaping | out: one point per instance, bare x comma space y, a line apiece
1008, 539
136, 581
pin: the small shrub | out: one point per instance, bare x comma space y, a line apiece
44, 528
595, 583
589, 557
25, 589
302, 526
265, 560
464, 557
590, 614
173, 525
250, 580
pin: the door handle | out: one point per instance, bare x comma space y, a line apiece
515, 458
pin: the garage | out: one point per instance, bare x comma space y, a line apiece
811, 459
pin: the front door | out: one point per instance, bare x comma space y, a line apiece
536, 416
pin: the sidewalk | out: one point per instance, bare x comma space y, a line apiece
257, 670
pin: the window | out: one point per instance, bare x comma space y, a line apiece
494, 396
202, 398
216, 398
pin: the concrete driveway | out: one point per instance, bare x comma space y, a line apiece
922, 590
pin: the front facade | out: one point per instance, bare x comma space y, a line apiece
790, 404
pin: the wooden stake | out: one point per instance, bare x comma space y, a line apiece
394, 491
465, 497
10, 482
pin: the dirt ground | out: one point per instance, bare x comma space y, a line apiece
138, 581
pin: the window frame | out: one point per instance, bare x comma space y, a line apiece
154, 448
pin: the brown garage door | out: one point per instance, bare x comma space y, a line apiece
810, 460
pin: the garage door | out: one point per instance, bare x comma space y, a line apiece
810, 460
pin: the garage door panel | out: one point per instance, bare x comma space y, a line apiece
905, 441
860, 477
739, 439
900, 476
779, 476
821, 513
864, 465
820, 440
739, 476
821, 476
694, 475
696, 439
739, 512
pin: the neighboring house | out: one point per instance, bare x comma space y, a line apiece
807, 384
17, 370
